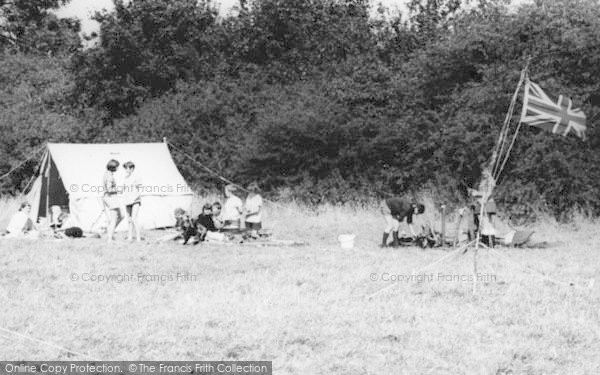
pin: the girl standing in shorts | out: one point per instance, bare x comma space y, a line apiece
132, 199
111, 198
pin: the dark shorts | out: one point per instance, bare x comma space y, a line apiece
130, 206
253, 226
231, 224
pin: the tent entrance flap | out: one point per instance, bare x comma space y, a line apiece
53, 192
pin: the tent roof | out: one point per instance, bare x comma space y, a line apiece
82, 166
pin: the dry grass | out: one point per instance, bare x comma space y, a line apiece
305, 308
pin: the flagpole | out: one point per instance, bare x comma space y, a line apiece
499, 148
489, 185
525, 76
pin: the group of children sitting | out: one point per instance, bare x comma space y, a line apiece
218, 223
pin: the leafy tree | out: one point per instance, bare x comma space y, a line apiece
318, 100
30, 26
210, 121
467, 79
145, 47
33, 113
430, 18
294, 39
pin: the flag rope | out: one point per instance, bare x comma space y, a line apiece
506, 157
499, 150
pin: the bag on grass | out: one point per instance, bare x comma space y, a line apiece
74, 232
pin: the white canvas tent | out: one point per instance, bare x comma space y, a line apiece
71, 177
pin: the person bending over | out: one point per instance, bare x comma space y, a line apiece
395, 210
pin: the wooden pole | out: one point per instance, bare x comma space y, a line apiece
443, 225
476, 250
475, 270
457, 234
48, 174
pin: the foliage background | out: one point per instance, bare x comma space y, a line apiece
320, 101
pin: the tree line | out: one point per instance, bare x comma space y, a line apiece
316, 100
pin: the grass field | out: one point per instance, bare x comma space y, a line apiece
306, 308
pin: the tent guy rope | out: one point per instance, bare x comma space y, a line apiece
33, 176
31, 156
43, 342
222, 178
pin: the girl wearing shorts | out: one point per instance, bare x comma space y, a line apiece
132, 199
111, 199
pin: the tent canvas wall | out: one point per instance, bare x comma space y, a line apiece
71, 177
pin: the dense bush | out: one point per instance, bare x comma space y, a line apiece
320, 100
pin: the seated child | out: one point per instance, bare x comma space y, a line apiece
211, 220
21, 225
185, 229
189, 229
216, 216
205, 219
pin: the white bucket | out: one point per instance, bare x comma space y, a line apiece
346, 241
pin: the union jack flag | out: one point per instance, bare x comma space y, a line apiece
556, 116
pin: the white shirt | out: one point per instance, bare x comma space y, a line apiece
254, 204
487, 228
132, 189
17, 223
232, 209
